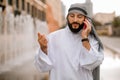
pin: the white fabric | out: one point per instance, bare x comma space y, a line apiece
67, 58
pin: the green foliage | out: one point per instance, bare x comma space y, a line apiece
116, 22
96, 23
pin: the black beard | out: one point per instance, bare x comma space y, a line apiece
75, 30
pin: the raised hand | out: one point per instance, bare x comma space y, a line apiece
42, 42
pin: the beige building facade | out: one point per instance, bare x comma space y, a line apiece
104, 17
106, 20
57, 10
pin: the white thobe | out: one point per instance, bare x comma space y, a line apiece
67, 58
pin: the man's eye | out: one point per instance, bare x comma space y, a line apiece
79, 16
71, 15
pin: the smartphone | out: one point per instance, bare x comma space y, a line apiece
84, 27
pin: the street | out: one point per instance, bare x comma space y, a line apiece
110, 68
28, 71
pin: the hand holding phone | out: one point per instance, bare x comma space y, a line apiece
86, 24
86, 28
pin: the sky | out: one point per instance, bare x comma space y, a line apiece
104, 6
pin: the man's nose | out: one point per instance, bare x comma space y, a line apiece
75, 19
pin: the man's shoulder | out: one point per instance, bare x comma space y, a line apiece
56, 33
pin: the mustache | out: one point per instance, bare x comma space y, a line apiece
75, 23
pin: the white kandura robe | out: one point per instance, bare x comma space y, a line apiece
67, 58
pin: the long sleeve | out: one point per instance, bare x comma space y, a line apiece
42, 61
92, 58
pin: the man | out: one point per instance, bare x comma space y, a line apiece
71, 53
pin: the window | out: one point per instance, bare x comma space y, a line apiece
28, 8
1, 24
17, 4
35, 12
32, 11
23, 4
1, 0
10, 2
43, 16
40, 14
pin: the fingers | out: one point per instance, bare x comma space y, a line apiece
42, 39
39, 35
88, 24
42, 42
87, 21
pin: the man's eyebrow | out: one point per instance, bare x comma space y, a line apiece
80, 15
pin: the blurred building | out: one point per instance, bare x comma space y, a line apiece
63, 14
57, 10
106, 20
20, 20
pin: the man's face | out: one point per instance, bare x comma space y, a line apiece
75, 21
